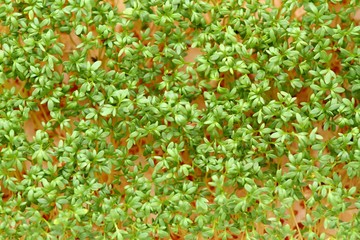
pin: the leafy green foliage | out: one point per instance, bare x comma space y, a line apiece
136, 139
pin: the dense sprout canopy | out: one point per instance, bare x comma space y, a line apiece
179, 119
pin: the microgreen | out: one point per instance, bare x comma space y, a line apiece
206, 119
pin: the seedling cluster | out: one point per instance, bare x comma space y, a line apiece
179, 119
